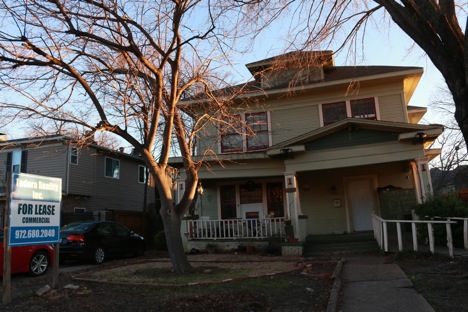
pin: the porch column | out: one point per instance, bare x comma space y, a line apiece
292, 201
422, 178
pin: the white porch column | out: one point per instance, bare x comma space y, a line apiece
292, 201
422, 178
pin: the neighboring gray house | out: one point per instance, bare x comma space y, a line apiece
96, 181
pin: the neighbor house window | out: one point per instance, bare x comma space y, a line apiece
246, 132
112, 167
17, 161
74, 155
360, 108
141, 174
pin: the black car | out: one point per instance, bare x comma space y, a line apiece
98, 241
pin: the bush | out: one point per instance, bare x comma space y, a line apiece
160, 241
443, 207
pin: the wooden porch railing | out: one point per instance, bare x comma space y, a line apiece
236, 228
381, 232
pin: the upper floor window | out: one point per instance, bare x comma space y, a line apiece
257, 131
231, 138
247, 132
360, 108
112, 168
141, 174
333, 112
74, 155
363, 108
17, 161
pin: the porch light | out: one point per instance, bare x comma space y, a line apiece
419, 138
287, 153
333, 190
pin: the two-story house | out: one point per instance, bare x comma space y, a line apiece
96, 181
315, 144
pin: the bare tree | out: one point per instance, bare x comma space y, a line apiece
433, 25
449, 165
122, 67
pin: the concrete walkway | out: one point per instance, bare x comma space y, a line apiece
370, 284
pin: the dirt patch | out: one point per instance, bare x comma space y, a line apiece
226, 282
441, 280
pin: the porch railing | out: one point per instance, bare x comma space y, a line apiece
382, 236
235, 228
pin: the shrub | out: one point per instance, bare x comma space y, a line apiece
443, 207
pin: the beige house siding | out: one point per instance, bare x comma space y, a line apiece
353, 156
241, 169
392, 108
318, 202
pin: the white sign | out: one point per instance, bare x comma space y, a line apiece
34, 210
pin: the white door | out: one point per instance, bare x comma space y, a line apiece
361, 200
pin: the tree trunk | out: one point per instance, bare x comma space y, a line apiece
172, 224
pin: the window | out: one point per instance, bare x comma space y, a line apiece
257, 131
231, 138
74, 155
247, 132
333, 112
360, 108
112, 168
364, 108
141, 174
17, 161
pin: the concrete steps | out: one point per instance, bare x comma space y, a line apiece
340, 243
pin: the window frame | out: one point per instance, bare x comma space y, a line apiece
73, 154
242, 134
256, 132
140, 167
349, 113
113, 169
231, 131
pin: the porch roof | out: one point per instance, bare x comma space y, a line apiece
408, 132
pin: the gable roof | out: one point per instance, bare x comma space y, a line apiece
338, 75
407, 132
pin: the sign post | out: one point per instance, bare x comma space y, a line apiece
6, 296
34, 212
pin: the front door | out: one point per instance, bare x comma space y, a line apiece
362, 202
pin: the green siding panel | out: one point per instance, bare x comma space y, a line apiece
351, 138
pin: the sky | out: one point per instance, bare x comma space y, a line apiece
388, 46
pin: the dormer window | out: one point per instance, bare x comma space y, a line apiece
246, 132
360, 108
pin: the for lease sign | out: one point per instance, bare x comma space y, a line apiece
34, 209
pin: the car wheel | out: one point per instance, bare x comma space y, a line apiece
39, 263
99, 255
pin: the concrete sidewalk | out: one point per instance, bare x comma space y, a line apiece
370, 284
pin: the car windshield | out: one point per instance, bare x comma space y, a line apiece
77, 227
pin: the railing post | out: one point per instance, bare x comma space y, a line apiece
385, 236
400, 241
430, 232
465, 233
415, 236
449, 239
